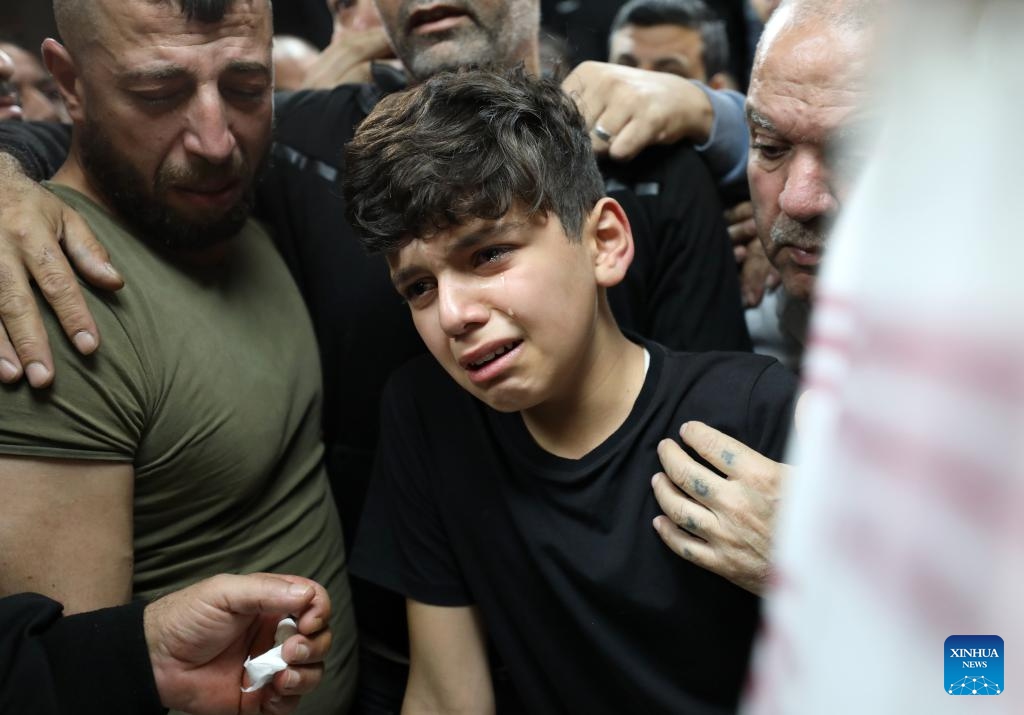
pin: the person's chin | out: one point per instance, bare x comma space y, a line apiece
799, 282
448, 55
506, 400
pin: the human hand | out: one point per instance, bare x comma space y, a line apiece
757, 274
629, 109
199, 637
722, 525
347, 59
742, 229
38, 234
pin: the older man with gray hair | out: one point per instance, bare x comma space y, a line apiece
806, 94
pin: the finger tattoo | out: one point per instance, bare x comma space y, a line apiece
728, 457
701, 487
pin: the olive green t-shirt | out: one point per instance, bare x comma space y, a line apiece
208, 382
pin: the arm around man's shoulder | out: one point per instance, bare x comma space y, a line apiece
40, 147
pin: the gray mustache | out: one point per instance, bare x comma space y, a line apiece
805, 236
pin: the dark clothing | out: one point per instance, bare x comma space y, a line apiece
586, 607
93, 662
41, 147
310, 19
682, 289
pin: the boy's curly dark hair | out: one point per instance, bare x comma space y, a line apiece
466, 145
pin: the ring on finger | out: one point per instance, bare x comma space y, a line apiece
602, 133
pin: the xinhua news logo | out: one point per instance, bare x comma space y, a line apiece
974, 665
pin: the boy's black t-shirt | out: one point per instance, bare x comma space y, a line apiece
586, 607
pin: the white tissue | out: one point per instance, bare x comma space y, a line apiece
262, 668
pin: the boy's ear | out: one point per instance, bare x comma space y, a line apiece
62, 68
607, 230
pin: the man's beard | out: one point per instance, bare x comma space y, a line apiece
486, 42
146, 209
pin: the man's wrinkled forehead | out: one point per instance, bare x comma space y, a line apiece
811, 71
165, 22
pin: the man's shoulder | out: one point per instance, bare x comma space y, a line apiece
747, 396
715, 369
322, 118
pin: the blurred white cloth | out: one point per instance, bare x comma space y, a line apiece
904, 523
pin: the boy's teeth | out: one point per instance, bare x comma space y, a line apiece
490, 356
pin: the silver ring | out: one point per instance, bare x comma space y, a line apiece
602, 133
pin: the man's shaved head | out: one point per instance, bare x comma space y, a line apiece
838, 15
78, 23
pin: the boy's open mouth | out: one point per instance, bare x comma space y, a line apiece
492, 356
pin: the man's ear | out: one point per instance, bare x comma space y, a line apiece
62, 68
607, 230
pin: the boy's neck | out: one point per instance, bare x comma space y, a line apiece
611, 376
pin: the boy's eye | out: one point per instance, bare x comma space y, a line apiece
491, 254
414, 291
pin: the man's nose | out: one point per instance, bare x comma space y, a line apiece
460, 308
209, 134
808, 192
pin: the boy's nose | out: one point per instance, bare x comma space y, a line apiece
459, 308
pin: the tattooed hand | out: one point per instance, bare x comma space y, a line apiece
722, 525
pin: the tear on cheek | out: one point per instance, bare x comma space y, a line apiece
504, 289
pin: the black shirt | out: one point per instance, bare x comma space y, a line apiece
95, 662
584, 604
682, 289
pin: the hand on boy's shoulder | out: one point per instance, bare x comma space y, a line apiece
722, 525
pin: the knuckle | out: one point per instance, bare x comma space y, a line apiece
15, 304
700, 487
56, 286
45, 257
680, 472
26, 345
679, 514
7, 279
18, 233
705, 441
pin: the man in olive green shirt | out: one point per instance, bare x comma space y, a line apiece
190, 445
